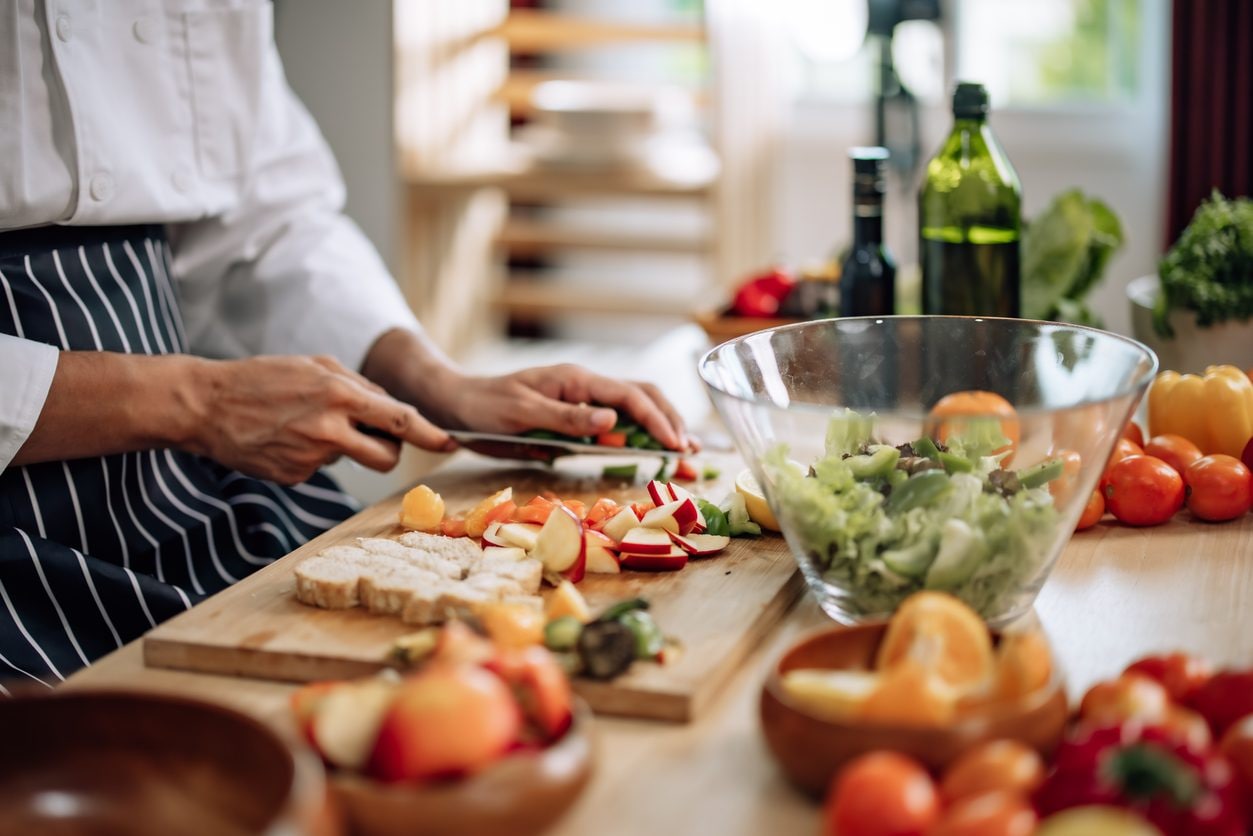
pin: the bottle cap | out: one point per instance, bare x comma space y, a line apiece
970, 100
868, 172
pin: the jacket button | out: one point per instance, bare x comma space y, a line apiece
101, 188
64, 29
145, 30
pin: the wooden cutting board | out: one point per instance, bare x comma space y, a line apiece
718, 607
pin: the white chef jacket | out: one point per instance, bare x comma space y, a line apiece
177, 112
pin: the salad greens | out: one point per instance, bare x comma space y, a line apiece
1064, 254
1210, 268
882, 522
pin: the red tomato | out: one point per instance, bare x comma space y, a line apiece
1122, 450
1092, 512
1142, 490
999, 765
685, 471
881, 794
1237, 745
990, 814
1247, 455
1129, 697
1180, 673
1133, 433
1219, 488
1175, 450
1224, 699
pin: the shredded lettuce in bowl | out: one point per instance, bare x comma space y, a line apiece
880, 523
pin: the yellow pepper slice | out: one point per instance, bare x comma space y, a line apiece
1213, 411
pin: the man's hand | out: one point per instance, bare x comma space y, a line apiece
559, 398
282, 418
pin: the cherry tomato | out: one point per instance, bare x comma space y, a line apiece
1062, 486
1175, 450
1133, 433
1180, 673
1142, 490
1122, 450
881, 794
990, 814
1237, 745
1225, 699
999, 765
1219, 488
1092, 512
1131, 696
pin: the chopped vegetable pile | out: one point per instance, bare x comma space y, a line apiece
1210, 268
626, 433
881, 522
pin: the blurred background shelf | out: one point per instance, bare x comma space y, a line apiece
537, 30
523, 237
530, 298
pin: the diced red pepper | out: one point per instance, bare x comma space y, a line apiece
612, 439
536, 511
685, 471
501, 513
602, 510
452, 527
579, 508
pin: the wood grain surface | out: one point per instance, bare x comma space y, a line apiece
718, 608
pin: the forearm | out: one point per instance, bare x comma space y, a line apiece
411, 368
101, 403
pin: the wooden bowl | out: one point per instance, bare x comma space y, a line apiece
119, 762
523, 794
812, 749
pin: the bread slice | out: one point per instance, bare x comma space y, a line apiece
526, 573
328, 581
387, 590
460, 550
535, 602
419, 558
425, 605
494, 586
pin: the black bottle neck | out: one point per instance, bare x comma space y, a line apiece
867, 224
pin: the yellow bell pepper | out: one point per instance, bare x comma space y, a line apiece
1214, 411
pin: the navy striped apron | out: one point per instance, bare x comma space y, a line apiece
94, 552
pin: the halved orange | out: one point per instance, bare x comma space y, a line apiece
953, 412
909, 694
1024, 664
945, 637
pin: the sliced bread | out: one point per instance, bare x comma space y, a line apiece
328, 581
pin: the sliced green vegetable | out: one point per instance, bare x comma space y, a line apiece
739, 524
954, 463
919, 490
875, 465
1041, 474
626, 472
607, 648
911, 560
616, 611
648, 637
562, 633
961, 552
897, 478
715, 519
662, 471
710, 473
926, 448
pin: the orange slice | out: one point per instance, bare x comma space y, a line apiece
943, 635
909, 695
479, 517
1024, 664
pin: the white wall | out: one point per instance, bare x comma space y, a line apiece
1116, 154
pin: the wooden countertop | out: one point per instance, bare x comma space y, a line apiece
1117, 593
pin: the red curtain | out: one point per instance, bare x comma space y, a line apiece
1211, 126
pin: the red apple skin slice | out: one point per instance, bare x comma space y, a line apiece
646, 541
701, 545
670, 562
492, 536
617, 526
347, 721
686, 515
678, 492
659, 493
602, 557
662, 517
578, 571
560, 545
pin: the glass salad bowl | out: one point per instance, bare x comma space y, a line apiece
908, 453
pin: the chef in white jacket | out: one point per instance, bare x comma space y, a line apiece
190, 327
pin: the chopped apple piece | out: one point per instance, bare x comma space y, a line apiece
670, 561
662, 517
646, 541
347, 721
619, 524
505, 552
701, 545
522, 535
659, 493
560, 545
601, 558
678, 492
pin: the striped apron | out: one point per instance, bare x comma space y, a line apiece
94, 552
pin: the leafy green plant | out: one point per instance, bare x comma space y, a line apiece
1209, 270
1065, 251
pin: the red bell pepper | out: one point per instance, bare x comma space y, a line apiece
761, 295
1180, 789
1223, 699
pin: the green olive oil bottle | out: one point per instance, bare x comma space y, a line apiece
969, 218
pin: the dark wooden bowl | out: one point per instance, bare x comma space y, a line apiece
116, 762
523, 794
812, 749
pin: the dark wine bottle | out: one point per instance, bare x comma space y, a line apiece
868, 275
969, 218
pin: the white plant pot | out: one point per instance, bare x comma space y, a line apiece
1192, 348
